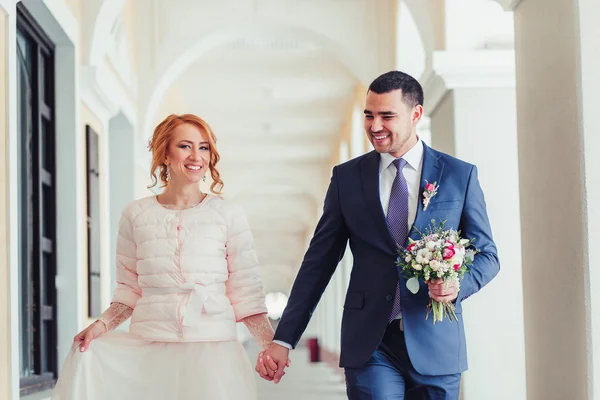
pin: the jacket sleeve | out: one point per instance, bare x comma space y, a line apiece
244, 286
474, 223
324, 253
128, 291
115, 315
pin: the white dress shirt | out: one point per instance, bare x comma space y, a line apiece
412, 174
387, 174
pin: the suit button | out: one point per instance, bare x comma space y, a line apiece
389, 297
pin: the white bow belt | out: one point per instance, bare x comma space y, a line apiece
201, 298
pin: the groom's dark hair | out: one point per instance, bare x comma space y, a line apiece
412, 92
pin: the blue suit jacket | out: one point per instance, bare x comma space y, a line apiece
352, 211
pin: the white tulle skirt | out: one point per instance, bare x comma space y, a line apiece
121, 366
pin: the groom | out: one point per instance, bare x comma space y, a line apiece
375, 201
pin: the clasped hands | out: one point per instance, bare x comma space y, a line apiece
272, 362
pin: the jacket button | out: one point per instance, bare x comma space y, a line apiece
389, 297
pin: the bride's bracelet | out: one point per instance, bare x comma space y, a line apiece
115, 315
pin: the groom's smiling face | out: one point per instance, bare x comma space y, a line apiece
390, 122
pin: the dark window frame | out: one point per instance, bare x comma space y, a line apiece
41, 175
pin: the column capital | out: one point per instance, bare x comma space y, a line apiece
96, 92
103, 93
466, 69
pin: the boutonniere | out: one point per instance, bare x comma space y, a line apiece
430, 191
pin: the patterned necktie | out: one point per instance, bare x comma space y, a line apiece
397, 220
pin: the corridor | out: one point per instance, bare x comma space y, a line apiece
509, 86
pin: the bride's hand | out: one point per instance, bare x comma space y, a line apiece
91, 332
262, 369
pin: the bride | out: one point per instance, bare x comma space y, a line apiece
186, 273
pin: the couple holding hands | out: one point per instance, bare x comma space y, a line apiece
187, 272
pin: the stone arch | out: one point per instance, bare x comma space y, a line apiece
422, 17
173, 67
108, 12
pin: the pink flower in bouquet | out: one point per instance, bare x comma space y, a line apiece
430, 187
449, 253
456, 267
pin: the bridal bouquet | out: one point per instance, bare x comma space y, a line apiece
440, 253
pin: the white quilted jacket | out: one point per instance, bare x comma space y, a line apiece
189, 274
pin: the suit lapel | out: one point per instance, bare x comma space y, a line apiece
433, 167
370, 182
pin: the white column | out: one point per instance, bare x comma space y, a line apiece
424, 130
558, 97
345, 271
327, 340
9, 264
336, 285
339, 303
348, 267
332, 307
589, 31
473, 117
332, 317
315, 326
357, 133
121, 138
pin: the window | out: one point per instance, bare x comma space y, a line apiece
93, 221
37, 205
